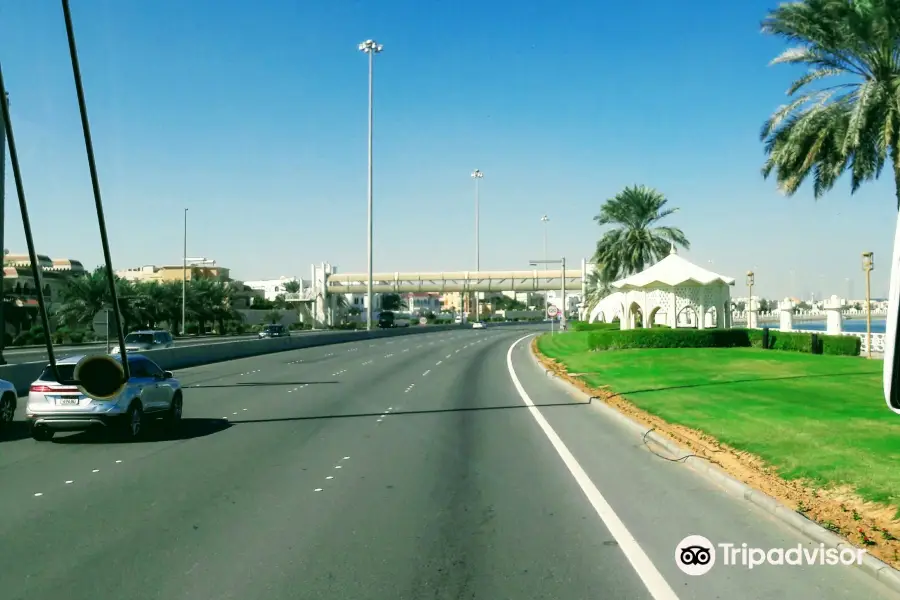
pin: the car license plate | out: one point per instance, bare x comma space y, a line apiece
68, 401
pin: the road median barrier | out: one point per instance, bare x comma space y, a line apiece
171, 359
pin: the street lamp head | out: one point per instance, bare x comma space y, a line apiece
868, 261
545, 218
477, 174
370, 46
750, 277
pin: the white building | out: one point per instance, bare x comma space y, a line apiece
271, 288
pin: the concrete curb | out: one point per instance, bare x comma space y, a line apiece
874, 567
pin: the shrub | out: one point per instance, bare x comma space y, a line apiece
585, 326
662, 337
667, 338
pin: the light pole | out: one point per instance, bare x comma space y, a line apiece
562, 263
2, 228
477, 175
184, 279
868, 265
750, 280
545, 220
371, 48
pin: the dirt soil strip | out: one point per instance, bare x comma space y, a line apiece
840, 510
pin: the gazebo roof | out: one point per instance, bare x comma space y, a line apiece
672, 271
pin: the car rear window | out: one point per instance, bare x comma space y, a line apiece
139, 338
65, 371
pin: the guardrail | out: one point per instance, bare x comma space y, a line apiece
23, 374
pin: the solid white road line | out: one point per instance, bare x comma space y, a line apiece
650, 576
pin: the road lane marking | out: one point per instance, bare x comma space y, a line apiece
330, 477
438, 362
448, 356
426, 372
388, 355
98, 470
653, 580
38, 494
317, 490
69, 481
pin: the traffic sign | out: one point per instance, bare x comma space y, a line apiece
103, 322
552, 311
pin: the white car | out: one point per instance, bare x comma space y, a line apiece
8, 398
150, 393
478, 325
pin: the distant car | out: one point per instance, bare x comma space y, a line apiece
150, 339
149, 394
8, 398
479, 325
274, 331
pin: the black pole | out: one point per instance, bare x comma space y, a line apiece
3, 241
26, 222
95, 184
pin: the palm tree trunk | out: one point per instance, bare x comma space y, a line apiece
895, 156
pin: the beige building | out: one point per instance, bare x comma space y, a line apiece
55, 274
171, 273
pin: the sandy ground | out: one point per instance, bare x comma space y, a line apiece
866, 525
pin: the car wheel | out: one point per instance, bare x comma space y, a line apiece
173, 419
133, 425
41, 434
7, 409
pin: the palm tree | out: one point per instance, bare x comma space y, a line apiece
292, 287
854, 123
85, 296
637, 241
392, 302
596, 289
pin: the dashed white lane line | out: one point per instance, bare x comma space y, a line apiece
330, 354
448, 356
653, 580
457, 350
317, 490
368, 362
438, 362
38, 494
98, 470
69, 481
339, 467
411, 386
426, 372
330, 477
406, 350
388, 355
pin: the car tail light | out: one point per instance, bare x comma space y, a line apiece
40, 388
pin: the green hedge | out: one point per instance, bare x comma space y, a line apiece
607, 339
585, 326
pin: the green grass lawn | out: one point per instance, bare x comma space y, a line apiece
821, 418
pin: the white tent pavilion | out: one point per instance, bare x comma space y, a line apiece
670, 293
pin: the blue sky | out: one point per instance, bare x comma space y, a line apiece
253, 115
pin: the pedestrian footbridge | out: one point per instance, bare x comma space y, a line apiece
457, 281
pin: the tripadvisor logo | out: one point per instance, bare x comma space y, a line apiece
696, 555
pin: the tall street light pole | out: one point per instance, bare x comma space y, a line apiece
545, 220
371, 48
868, 265
184, 280
2, 228
477, 175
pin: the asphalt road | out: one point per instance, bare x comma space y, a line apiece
390, 469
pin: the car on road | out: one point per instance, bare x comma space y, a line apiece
8, 398
148, 339
149, 394
274, 330
479, 325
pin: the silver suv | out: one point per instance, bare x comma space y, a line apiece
149, 339
149, 394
